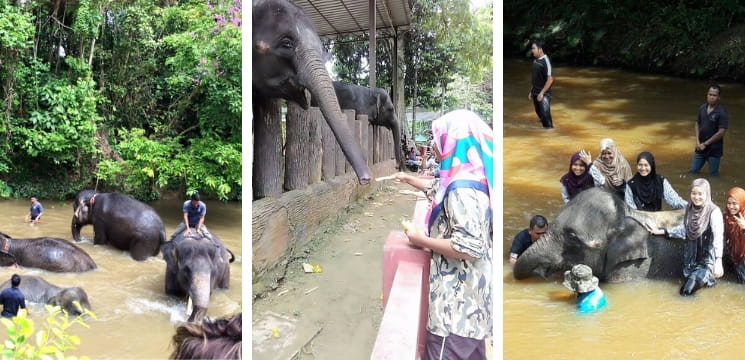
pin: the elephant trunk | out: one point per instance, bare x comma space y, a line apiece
396, 128
75, 228
313, 75
540, 259
199, 292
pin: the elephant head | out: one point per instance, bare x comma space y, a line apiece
598, 229
287, 59
81, 212
195, 266
66, 299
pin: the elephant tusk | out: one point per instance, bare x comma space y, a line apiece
189, 304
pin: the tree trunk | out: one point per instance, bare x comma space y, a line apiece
314, 141
267, 156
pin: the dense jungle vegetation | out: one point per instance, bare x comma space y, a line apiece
447, 57
137, 96
700, 39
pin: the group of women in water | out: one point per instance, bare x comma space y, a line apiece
705, 229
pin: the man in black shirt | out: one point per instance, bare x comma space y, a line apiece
525, 238
12, 298
540, 93
711, 125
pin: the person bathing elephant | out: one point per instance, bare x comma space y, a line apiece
601, 231
377, 105
119, 220
287, 60
51, 254
38, 290
195, 265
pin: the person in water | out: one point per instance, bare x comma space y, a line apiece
590, 297
577, 178
522, 241
611, 169
703, 231
734, 225
647, 189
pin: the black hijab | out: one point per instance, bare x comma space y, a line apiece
648, 190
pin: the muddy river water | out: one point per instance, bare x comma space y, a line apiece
136, 319
641, 112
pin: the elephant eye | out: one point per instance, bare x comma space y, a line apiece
286, 43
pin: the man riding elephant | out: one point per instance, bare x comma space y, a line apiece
194, 212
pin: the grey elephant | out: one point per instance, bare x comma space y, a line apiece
195, 265
287, 60
119, 220
377, 105
51, 254
38, 290
598, 229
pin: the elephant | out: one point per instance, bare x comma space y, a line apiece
598, 229
377, 105
195, 265
51, 254
287, 60
119, 220
38, 290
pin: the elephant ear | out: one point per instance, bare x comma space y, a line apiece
625, 245
7, 259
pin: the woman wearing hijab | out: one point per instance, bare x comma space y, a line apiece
647, 189
611, 169
459, 233
577, 178
734, 225
703, 230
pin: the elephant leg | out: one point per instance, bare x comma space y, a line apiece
99, 234
140, 250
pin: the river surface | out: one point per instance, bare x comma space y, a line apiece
136, 319
641, 112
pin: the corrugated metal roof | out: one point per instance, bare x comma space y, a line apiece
338, 17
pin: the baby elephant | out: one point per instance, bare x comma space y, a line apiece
38, 290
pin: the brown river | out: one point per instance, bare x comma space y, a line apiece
136, 319
641, 112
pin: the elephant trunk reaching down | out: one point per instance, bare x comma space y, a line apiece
312, 74
540, 259
200, 296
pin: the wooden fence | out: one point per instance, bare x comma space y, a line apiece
311, 152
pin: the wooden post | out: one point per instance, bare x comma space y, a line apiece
330, 150
316, 151
350, 114
376, 143
267, 157
297, 147
360, 128
370, 143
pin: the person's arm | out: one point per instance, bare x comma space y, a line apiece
549, 81
714, 138
597, 177
515, 249
717, 227
629, 197
671, 196
186, 222
564, 194
414, 181
466, 213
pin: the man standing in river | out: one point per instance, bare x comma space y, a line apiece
540, 93
711, 125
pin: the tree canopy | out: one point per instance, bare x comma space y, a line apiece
134, 96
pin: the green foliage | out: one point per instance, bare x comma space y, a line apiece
683, 38
50, 342
118, 92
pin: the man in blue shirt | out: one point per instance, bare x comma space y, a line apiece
35, 211
711, 124
12, 298
589, 296
194, 212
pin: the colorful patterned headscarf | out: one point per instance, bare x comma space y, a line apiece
732, 232
466, 148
